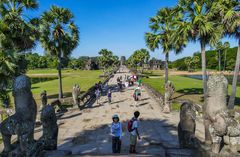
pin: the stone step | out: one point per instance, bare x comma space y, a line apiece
180, 152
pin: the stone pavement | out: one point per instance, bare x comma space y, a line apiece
87, 132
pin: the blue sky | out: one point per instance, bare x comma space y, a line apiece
118, 25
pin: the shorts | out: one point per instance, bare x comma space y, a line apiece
133, 139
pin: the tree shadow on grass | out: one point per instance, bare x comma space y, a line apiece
189, 91
34, 88
65, 95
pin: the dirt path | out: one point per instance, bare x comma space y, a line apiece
87, 131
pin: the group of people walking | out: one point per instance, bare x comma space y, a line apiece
117, 130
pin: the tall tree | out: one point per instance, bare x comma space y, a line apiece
199, 23
219, 49
139, 57
106, 59
226, 48
17, 30
163, 26
229, 11
222, 48
59, 36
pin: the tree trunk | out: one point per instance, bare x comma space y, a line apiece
204, 77
60, 94
166, 107
235, 78
219, 60
166, 67
225, 59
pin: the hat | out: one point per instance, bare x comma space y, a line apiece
115, 116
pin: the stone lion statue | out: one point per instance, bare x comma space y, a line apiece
187, 125
23, 121
223, 124
50, 128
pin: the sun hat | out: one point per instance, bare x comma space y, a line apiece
115, 116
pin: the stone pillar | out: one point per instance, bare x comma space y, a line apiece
217, 89
76, 94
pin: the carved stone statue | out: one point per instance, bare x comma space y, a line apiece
169, 91
43, 98
75, 94
58, 103
223, 123
50, 128
187, 125
23, 121
217, 87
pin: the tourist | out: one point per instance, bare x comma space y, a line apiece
139, 82
116, 132
96, 86
106, 87
137, 93
126, 84
98, 94
109, 96
134, 134
119, 82
100, 86
139, 90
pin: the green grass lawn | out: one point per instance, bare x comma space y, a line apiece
186, 88
84, 78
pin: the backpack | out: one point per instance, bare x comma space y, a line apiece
130, 124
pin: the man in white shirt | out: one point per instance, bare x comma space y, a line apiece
134, 134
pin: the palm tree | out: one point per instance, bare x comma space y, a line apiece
163, 28
106, 58
7, 67
200, 24
17, 31
229, 11
219, 49
226, 46
188, 62
59, 36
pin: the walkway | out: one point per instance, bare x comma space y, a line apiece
86, 132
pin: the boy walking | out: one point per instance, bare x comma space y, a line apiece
134, 134
116, 132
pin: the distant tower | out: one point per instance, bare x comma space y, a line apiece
123, 60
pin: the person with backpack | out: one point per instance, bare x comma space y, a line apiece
116, 132
133, 130
137, 93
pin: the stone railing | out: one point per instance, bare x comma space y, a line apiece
89, 96
155, 93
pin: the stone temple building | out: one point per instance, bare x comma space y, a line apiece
155, 64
